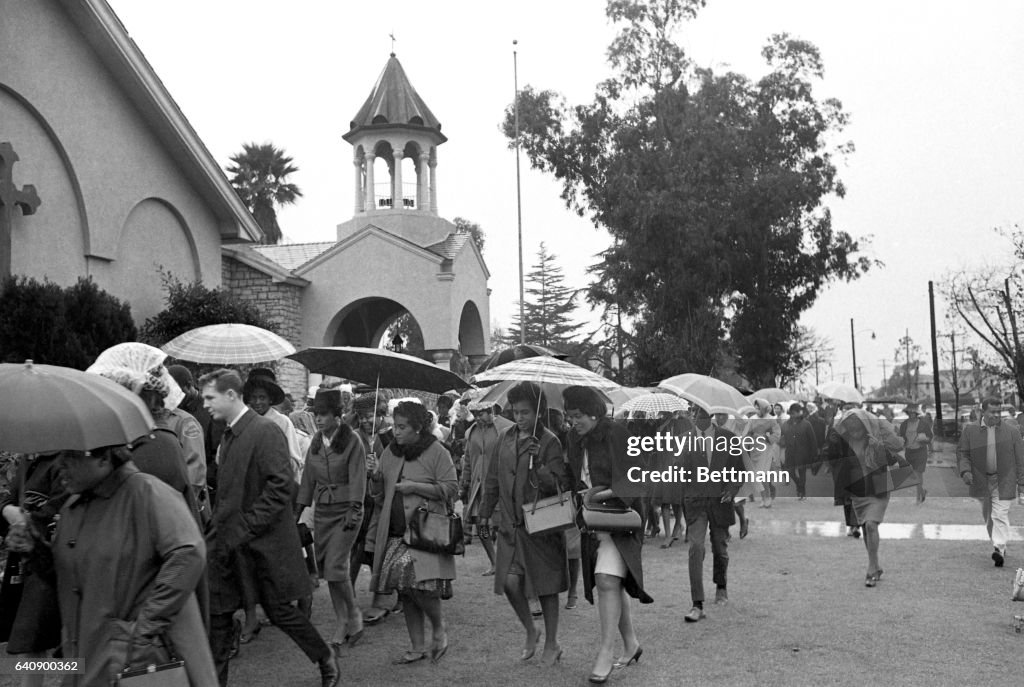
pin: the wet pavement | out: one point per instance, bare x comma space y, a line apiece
887, 530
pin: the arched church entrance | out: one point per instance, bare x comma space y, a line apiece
369, 320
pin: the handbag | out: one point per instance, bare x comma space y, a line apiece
435, 532
550, 514
607, 515
884, 481
1018, 585
10, 592
170, 674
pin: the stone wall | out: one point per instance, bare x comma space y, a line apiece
281, 304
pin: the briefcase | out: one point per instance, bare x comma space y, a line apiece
894, 478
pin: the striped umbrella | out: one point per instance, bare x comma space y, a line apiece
228, 344
544, 369
650, 406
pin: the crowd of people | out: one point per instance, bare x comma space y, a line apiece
167, 548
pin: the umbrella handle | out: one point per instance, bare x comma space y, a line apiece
376, 400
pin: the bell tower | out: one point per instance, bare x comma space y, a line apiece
395, 138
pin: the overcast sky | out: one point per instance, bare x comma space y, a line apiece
935, 91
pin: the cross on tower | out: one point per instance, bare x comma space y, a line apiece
10, 197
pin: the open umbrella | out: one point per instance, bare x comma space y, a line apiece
624, 393
228, 344
498, 393
650, 406
380, 368
517, 352
544, 369
50, 408
841, 392
713, 395
773, 395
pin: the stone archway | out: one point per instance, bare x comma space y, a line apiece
364, 322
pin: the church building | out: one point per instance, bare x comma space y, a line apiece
102, 175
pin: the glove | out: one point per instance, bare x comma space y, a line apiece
968, 479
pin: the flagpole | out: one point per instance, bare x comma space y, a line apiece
519, 197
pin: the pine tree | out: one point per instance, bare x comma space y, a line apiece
549, 305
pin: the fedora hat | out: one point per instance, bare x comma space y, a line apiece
327, 401
263, 378
912, 408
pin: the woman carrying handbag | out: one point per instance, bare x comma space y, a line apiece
527, 465
415, 472
611, 560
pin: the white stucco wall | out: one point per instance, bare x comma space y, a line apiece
52, 80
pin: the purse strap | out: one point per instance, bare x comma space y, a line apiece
536, 488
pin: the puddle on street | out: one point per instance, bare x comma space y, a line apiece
887, 530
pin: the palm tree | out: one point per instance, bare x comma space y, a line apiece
259, 176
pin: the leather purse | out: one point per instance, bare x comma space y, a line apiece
551, 514
169, 674
435, 532
609, 514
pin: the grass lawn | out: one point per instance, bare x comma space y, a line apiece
799, 614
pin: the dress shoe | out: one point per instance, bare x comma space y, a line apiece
438, 652
744, 528
570, 603
635, 658
598, 679
409, 657
997, 556
330, 671
694, 615
528, 653
721, 597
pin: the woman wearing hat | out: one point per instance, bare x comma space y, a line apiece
334, 479
916, 432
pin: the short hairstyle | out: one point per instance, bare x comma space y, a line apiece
991, 401
532, 394
415, 414
223, 380
445, 403
584, 399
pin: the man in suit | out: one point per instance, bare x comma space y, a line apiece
801, 448
990, 459
709, 504
254, 518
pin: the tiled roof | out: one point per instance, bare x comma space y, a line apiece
394, 101
293, 255
451, 245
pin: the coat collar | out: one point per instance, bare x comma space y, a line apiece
108, 487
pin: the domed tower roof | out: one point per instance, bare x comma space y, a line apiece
394, 103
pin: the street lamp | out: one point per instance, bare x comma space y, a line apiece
853, 348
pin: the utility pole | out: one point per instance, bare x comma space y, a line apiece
885, 377
519, 198
935, 360
906, 343
853, 349
816, 381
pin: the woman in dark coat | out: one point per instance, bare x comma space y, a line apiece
334, 482
527, 464
34, 624
611, 561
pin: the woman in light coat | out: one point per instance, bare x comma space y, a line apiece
415, 470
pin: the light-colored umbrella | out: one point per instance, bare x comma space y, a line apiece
544, 369
840, 392
228, 344
624, 393
650, 406
498, 393
713, 395
49, 408
773, 395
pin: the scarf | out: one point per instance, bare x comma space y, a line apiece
338, 441
412, 451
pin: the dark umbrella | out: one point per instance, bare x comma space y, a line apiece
518, 352
380, 368
48, 408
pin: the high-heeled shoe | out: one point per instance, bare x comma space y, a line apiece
635, 658
598, 679
555, 659
528, 653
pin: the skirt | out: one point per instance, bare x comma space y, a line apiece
609, 560
333, 544
397, 573
870, 508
